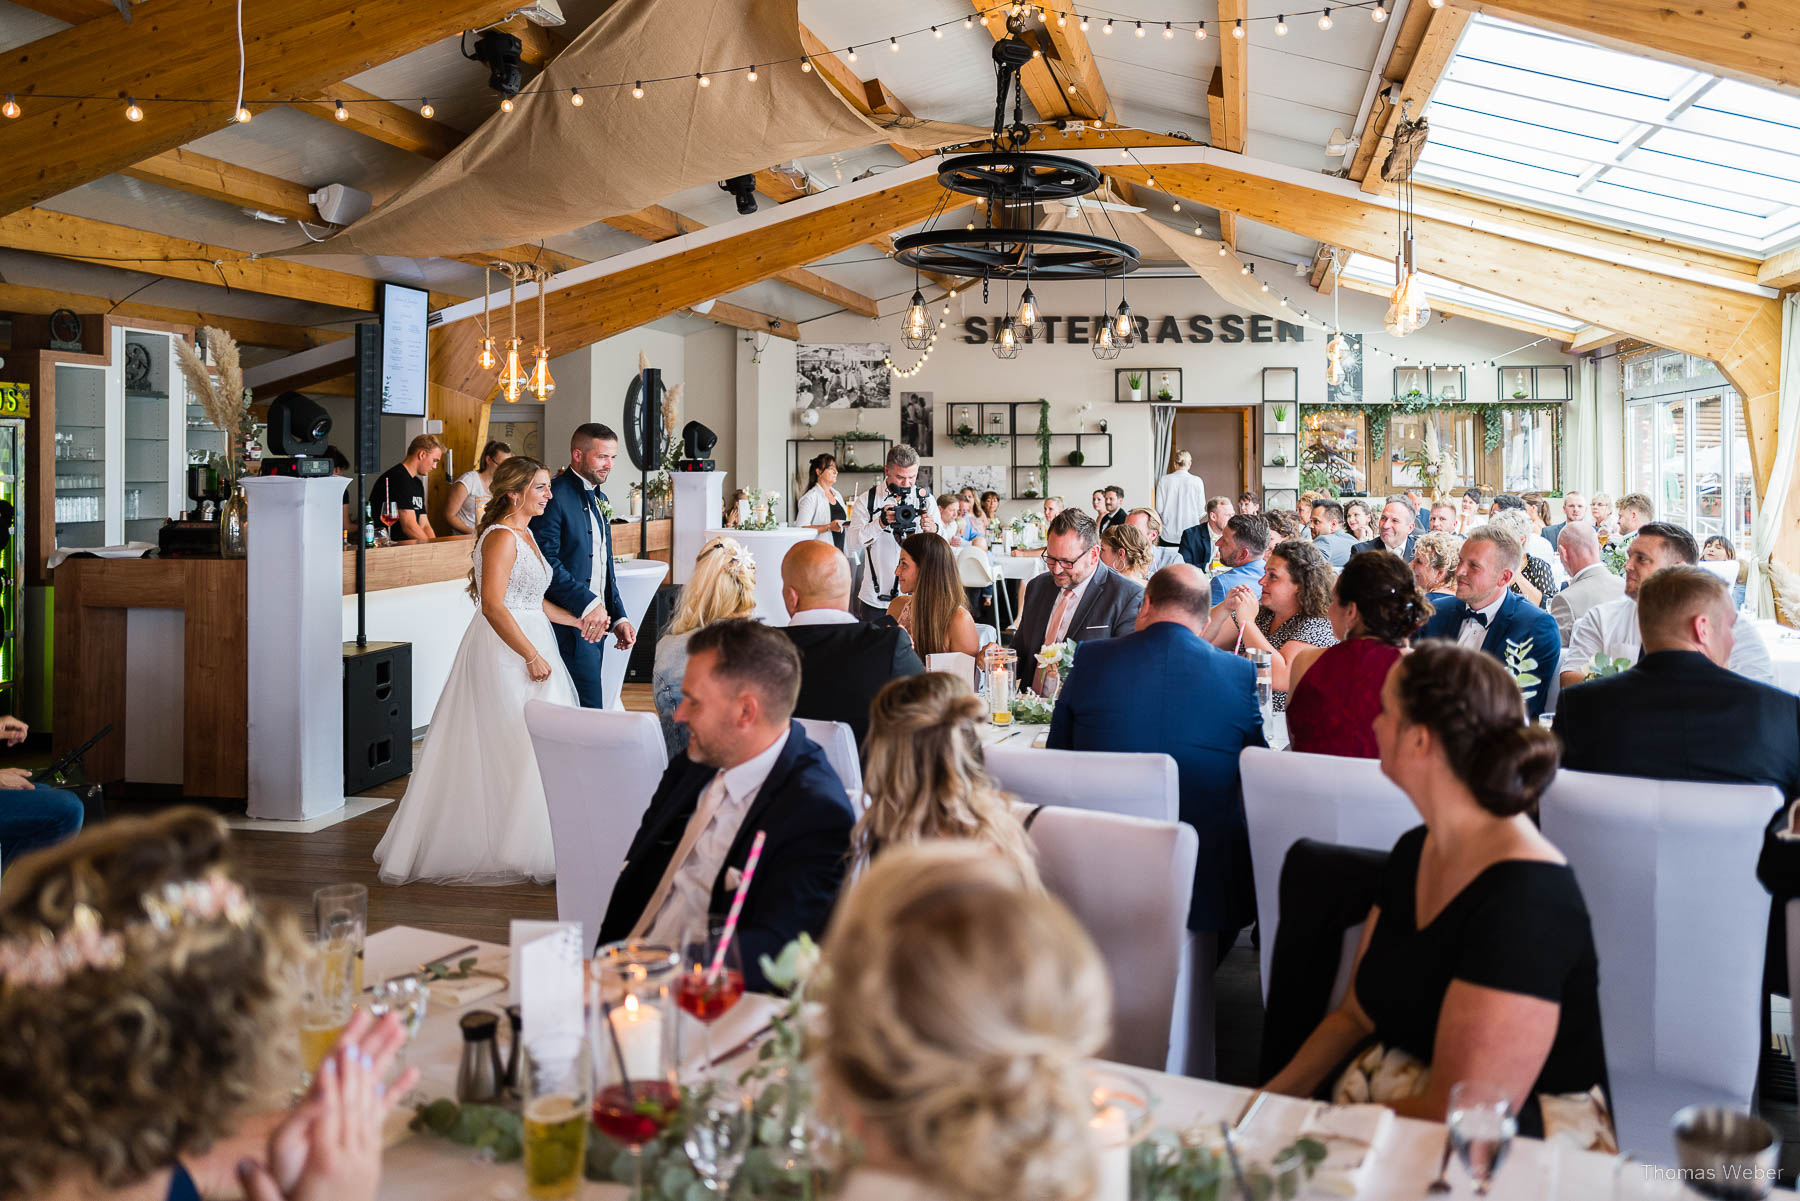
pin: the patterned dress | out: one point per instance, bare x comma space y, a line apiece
1315, 631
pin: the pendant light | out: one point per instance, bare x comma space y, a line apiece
1103, 344
915, 327
542, 385
485, 358
1124, 325
1006, 343
512, 377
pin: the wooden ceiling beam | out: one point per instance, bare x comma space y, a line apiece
1407, 40
42, 231
198, 175
1757, 43
1443, 29
1064, 59
1324, 274
75, 12
871, 97
553, 261
384, 121
1451, 308
16, 298
538, 44
725, 313
1590, 337
1780, 271
186, 48
1228, 98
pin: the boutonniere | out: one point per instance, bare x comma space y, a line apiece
1521, 666
1059, 655
606, 509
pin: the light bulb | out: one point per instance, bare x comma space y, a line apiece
1197, 230
752, 76
1437, 3
486, 360
575, 99
1150, 181
1281, 26
1006, 336
340, 112
894, 45
936, 32
1222, 251
1028, 310
705, 80
541, 383
969, 22
1140, 29
1036, 53
10, 108
1107, 28
806, 65
853, 54
1244, 270
1200, 32
1325, 19
1083, 24
1265, 287
426, 111
1378, 14
1041, 15
243, 116
1122, 324
132, 111
1062, 20
506, 105
512, 377
1237, 30
1168, 30
1177, 207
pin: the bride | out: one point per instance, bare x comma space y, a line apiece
474, 811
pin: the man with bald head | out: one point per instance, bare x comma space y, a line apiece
1590, 583
844, 660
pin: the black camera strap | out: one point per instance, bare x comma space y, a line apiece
893, 588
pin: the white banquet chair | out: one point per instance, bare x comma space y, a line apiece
1668, 871
1289, 796
839, 744
976, 570
1128, 881
600, 768
1134, 785
952, 663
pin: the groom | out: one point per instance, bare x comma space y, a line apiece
575, 535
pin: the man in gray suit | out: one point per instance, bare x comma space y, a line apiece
1079, 598
1590, 583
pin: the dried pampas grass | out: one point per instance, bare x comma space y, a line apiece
223, 398
1786, 584
671, 406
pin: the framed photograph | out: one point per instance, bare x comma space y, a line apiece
982, 478
915, 421
1281, 384
1280, 450
850, 375
1281, 417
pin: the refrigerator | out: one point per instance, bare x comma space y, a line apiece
15, 405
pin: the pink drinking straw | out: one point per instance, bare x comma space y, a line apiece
737, 907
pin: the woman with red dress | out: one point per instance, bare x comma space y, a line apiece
1334, 693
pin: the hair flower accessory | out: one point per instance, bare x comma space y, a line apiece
207, 899
45, 961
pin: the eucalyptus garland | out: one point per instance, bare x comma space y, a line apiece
1043, 441
1376, 415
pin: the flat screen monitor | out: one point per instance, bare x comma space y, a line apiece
404, 313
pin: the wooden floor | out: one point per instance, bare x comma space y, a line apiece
288, 867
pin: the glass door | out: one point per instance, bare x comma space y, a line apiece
82, 461
153, 460
1708, 472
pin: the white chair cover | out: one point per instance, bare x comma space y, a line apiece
951, 663
839, 745
1668, 870
1134, 785
600, 768
974, 568
1289, 796
1128, 881
986, 634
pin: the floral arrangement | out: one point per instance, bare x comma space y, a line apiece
1188, 1167
1613, 555
224, 399
1057, 655
1028, 708
768, 504
965, 435
1521, 666
1604, 665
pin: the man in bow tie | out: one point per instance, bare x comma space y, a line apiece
1488, 616
575, 533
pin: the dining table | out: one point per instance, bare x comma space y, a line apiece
1403, 1162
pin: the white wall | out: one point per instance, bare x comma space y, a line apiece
1214, 373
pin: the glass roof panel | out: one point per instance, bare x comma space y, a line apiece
1380, 272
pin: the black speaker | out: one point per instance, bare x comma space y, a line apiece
368, 400
642, 665
377, 714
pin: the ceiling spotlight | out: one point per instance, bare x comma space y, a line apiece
1325, 19
575, 97
502, 53
743, 190
1281, 26
426, 111
132, 111
341, 113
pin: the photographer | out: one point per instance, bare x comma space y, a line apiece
887, 514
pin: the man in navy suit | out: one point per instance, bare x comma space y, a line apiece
748, 767
1078, 599
1164, 688
1488, 616
1395, 531
575, 533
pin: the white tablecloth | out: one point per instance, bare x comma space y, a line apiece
425, 1168
638, 581
768, 547
1017, 567
1784, 653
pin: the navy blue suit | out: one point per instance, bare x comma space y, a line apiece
802, 808
1517, 620
1164, 689
566, 537
1196, 545
1376, 543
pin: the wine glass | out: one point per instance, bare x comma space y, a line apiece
635, 1092
390, 513
1482, 1124
718, 1134
711, 982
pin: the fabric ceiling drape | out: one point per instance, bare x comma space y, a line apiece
1772, 514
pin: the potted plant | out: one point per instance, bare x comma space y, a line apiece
1279, 460
1076, 458
1163, 392
1280, 414
1135, 381
1519, 394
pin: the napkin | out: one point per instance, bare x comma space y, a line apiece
1351, 1134
454, 994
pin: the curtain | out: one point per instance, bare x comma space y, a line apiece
1581, 440
1772, 515
1162, 421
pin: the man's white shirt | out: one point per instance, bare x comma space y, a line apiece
1473, 633
1180, 502
602, 562
1612, 629
881, 550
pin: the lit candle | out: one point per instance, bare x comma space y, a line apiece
639, 1031
1112, 1136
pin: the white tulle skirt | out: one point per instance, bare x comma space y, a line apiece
474, 810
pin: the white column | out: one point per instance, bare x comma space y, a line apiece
699, 502
765, 415
295, 602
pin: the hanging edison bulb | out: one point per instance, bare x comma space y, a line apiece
1006, 344
486, 359
1124, 326
513, 381
1334, 359
1103, 344
541, 383
484, 355
915, 327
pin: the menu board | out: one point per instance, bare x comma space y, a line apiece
404, 322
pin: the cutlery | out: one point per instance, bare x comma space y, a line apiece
1237, 1168
1250, 1108
1442, 1183
746, 1045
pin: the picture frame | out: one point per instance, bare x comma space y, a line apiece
1280, 450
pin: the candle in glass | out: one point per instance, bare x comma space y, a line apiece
1112, 1136
639, 1031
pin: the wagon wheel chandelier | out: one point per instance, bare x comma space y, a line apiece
1004, 243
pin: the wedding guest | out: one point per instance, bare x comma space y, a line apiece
1478, 959
1077, 599
1635, 511
1126, 550
1394, 531
723, 586
989, 516
1283, 527
403, 484
954, 525
1356, 520
1575, 512
469, 494
822, 506
1415, 500
733, 516
971, 505
1114, 512
1052, 506
1534, 582
961, 1009
32, 816
1164, 689
1241, 548
1488, 617
844, 660
1198, 541
1472, 510
1303, 504
923, 773
1181, 496
931, 606
1334, 693
1291, 615
1434, 565
1590, 583
1600, 512
1444, 518
1099, 499
748, 768
1718, 549
1248, 503
149, 1007
1328, 533
1150, 523
1611, 629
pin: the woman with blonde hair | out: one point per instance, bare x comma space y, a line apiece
1128, 551
723, 585
959, 1008
923, 773
932, 605
149, 1010
1434, 562
472, 489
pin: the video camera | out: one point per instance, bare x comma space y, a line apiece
902, 509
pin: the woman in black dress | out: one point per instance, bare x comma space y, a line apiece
1477, 959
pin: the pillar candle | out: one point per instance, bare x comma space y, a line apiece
639, 1031
1112, 1135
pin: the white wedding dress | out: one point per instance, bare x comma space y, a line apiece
474, 811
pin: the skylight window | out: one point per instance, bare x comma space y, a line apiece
1380, 272
1618, 138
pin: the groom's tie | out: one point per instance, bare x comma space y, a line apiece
704, 811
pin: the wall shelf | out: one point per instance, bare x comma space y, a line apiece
796, 463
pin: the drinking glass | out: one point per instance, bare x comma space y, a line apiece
326, 1003
389, 514
634, 1019
718, 1134
341, 914
1482, 1125
705, 995
408, 997
554, 1097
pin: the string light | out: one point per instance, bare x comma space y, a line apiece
1140, 29
1281, 26
894, 45
341, 113
936, 32
426, 111
1222, 250
853, 54
1177, 207
1200, 32
806, 65
1168, 30
132, 111
1237, 31
1107, 28
1062, 20
1378, 14
637, 90
11, 108
970, 24
752, 76
506, 105
575, 97
1083, 24
243, 116
1325, 19
705, 80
